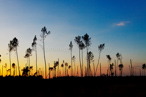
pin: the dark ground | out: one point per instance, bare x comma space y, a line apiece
73, 87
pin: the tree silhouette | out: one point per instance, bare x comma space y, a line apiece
74, 58
43, 36
13, 66
10, 49
35, 48
90, 58
15, 45
111, 69
27, 55
70, 48
109, 59
144, 68
121, 69
82, 46
100, 48
87, 41
78, 41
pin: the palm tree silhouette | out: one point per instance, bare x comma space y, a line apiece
87, 41
118, 57
43, 36
111, 69
82, 46
10, 48
74, 58
121, 69
90, 58
144, 68
109, 59
78, 41
15, 45
100, 48
70, 48
35, 48
13, 66
27, 55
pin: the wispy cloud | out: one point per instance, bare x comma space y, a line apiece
121, 23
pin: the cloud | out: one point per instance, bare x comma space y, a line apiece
121, 23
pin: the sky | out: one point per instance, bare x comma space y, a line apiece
120, 24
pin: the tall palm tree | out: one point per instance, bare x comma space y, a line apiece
74, 58
78, 41
109, 59
35, 48
43, 36
15, 45
90, 58
82, 46
100, 48
87, 41
70, 48
10, 48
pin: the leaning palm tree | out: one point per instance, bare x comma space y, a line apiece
10, 48
43, 36
35, 48
78, 41
109, 59
100, 48
87, 41
15, 45
70, 48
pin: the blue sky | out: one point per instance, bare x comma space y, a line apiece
120, 24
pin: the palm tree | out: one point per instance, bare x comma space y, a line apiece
43, 36
100, 48
82, 46
121, 69
35, 48
74, 58
10, 48
15, 45
70, 48
87, 41
144, 67
13, 66
109, 59
111, 69
78, 41
90, 58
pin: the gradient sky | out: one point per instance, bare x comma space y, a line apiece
120, 24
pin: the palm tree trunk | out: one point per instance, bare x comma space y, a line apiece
80, 63
74, 68
10, 62
98, 61
29, 65
100, 69
44, 56
17, 60
115, 68
36, 57
2, 70
71, 63
87, 61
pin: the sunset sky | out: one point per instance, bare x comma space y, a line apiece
120, 24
